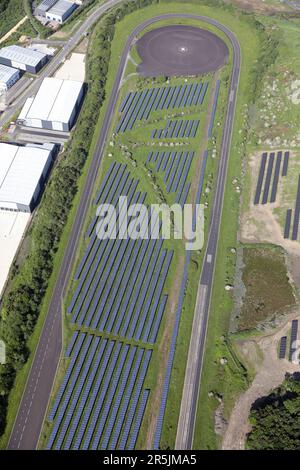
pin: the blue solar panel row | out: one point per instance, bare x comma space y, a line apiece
92, 396
167, 380
137, 106
71, 344
107, 388
95, 257
133, 405
68, 391
105, 247
85, 395
148, 295
66, 378
293, 343
157, 297
139, 418
177, 129
118, 399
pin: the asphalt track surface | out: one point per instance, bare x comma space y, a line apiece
33, 406
188, 412
180, 50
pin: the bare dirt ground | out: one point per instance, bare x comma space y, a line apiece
270, 373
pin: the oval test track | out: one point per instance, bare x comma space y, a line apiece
33, 406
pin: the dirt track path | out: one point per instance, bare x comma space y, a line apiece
270, 374
13, 30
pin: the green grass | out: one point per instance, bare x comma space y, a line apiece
264, 267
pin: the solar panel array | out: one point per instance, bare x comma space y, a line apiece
138, 105
120, 285
120, 290
282, 347
269, 168
177, 129
171, 356
293, 343
100, 406
175, 167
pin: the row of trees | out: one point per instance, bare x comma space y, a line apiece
21, 305
275, 419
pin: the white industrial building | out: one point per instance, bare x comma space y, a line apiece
21, 58
60, 11
55, 105
23, 171
8, 77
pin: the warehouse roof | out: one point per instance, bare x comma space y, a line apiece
20, 171
22, 55
6, 73
46, 4
55, 101
61, 7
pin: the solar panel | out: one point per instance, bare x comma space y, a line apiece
126, 399
184, 175
136, 301
71, 344
287, 226
148, 296
139, 418
282, 347
118, 399
276, 177
182, 161
66, 377
76, 394
260, 177
85, 395
296, 214
156, 298
109, 398
173, 172
133, 406
91, 398
151, 104
101, 397
294, 335
158, 319
285, 163
268, 178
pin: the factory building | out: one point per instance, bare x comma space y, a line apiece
61, 11
21, 58
23, 171
8, 77
43, 7
54, 107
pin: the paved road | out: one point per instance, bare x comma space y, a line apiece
188, 411
56, 61
34, 403
29, 420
